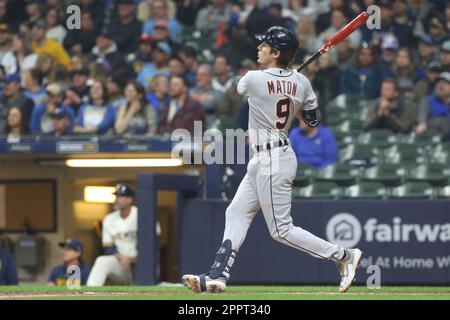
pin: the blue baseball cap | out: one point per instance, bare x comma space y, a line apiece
74, 244
60, 113
12, 77
123, 189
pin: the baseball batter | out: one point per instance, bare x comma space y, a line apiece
275, 94
119, 241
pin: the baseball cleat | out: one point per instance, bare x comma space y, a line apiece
204, 283
347, 268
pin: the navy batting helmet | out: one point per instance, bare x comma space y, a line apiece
282, 39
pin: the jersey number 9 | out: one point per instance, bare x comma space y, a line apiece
283, 112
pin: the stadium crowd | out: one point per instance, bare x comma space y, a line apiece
147, 67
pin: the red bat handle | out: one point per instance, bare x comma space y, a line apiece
345, 32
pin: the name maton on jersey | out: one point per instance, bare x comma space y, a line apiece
281, 87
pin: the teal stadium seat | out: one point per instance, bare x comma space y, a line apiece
318, 190
388, 174
366, 190
413, 190
305, 175
340, 173
436, 174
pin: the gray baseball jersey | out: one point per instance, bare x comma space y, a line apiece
275, 95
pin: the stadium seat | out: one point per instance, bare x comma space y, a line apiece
443, 192
381, 138
413, 190
366, 190
423, 140
349, 126
341, 173
305, 175
342, 139
359, 152
319, 190
388, 174
405, 154
435, 174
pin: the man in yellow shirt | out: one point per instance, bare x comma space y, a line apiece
43, 44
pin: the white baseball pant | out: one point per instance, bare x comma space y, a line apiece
268, 185
108, 267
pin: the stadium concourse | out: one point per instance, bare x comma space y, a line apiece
86, 107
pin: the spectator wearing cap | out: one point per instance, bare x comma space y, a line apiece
390, 111
96, 116
389, 47
182, 111
143, 55
160, 13
434, 110
78, 92
71, 255
425, 87
223, 79
445, 56
33, 86
160, 56
427, 51
12, 95
82, 40
403, 24
8, 269
42, 44
125, 28
136, 116
119, 239
5, 40
16, 125
204, 92
364, 76
436, 30
41, 121
61, 121
21, 57
105, 55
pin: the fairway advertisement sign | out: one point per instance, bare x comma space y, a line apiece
408, 240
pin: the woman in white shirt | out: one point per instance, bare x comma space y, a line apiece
21, 58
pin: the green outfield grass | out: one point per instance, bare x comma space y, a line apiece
233, 293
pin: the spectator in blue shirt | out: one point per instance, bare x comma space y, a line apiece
160, 14
97, 116
8, 270
41, 121
314, 146
72, 251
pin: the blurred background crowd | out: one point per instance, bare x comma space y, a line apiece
147, 67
